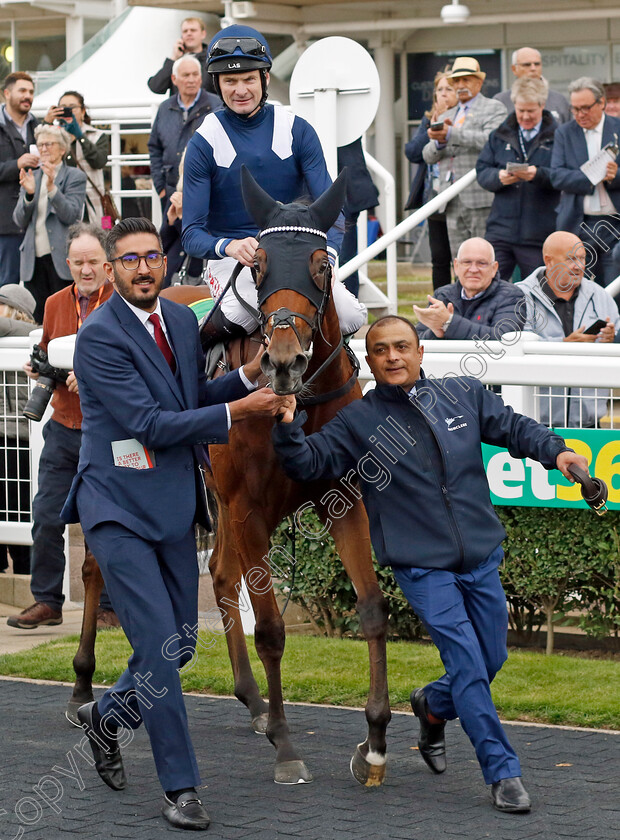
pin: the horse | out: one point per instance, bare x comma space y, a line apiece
304, 356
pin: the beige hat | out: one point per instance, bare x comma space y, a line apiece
465, 66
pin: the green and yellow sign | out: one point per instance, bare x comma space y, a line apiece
527, 483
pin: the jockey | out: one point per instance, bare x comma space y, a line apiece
283, 153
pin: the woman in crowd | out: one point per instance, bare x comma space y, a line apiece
89, 150
51, 199
16, 318
425, 182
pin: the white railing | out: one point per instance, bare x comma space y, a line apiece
14, 352
392, 236
525, 367
520, 363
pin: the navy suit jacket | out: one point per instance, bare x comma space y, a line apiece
128, 391
570, 151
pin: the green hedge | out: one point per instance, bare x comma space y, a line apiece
556, 560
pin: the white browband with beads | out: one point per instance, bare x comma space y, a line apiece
292, 228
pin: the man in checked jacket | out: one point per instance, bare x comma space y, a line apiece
456, 146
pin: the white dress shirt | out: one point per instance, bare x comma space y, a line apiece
599, 203
143, 316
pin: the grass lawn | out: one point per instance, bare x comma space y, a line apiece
531, 686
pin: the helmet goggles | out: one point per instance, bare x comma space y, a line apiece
228, 46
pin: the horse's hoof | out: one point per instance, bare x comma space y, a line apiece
71, 711
259, 723
367, 774
292, 773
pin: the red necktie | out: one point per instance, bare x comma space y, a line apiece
162, 341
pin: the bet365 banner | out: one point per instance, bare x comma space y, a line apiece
527, 483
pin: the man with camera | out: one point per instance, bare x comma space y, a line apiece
65, 312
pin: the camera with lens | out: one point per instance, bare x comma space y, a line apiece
44, 388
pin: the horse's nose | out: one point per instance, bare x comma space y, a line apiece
284, 374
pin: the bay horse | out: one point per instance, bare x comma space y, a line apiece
305, 356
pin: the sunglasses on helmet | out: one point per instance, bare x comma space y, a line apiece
227, 46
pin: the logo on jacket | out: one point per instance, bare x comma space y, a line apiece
451, 420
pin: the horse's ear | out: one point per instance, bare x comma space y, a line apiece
327, 207
258, 203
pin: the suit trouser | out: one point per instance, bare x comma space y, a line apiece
464, 222
511, 254
44, 283
57, 468
440, 250
467, 619
154, 591
600, 235
9, 257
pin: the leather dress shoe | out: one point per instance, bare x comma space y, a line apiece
432, 741
106, 752
509, 795
187, 812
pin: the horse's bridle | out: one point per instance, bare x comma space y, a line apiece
284, 317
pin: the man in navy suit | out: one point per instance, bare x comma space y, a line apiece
590, 211
145, 401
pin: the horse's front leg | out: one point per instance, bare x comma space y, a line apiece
350, 533
84, 659
269, 640
226, 578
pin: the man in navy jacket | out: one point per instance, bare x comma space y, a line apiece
480, 305
432, 521
147, 411
523, 210
589, 211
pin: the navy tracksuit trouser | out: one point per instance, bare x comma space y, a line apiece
466, 617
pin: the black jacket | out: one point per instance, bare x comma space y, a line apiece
161, 82
12, 147
428, 500
521, 213
361, 192
413, 153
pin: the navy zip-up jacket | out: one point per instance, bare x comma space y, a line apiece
428, 499
523, 213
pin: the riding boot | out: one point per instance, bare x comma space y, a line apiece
219, 330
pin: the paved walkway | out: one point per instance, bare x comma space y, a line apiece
48, 789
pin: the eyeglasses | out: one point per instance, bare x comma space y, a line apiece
131, 262
529, 64
585, 109
477, 263
48, 145
227, 46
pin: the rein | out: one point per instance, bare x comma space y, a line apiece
284, 317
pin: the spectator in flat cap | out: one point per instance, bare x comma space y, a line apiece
459, 141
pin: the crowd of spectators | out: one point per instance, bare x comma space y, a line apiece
529, 146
